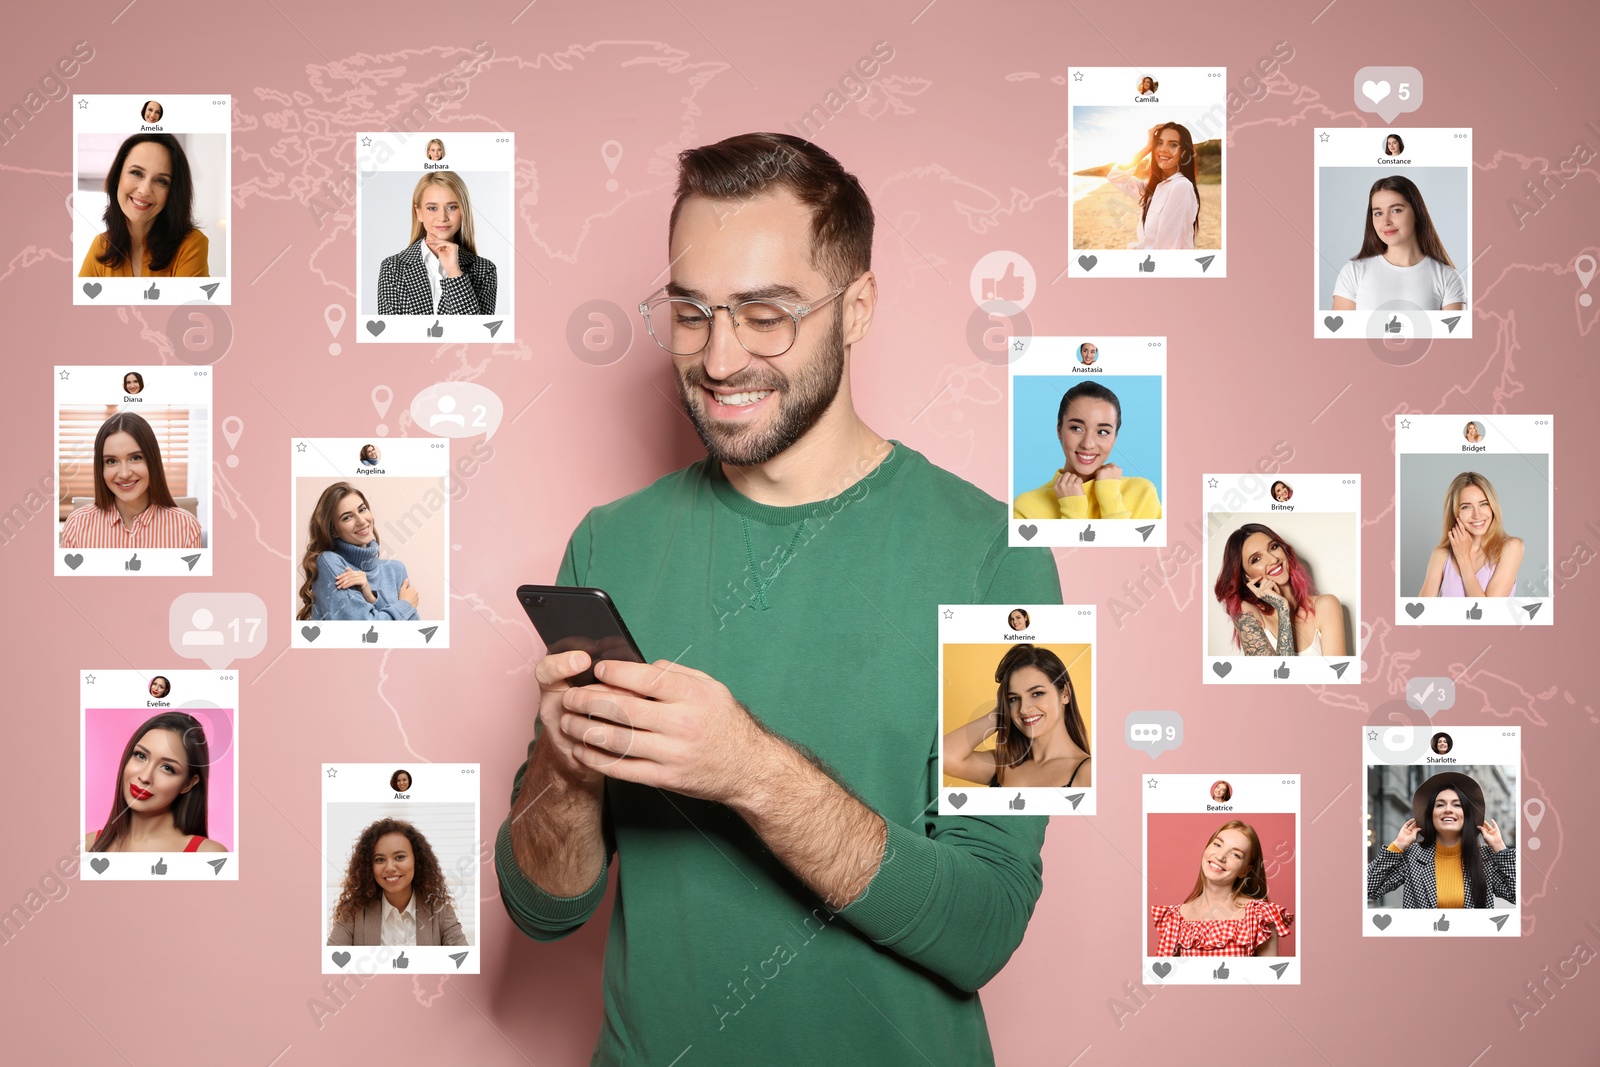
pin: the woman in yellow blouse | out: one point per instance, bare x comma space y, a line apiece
1089, 486
150, 230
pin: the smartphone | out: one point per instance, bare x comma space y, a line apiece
572, 618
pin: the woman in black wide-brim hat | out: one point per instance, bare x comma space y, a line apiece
1439, 858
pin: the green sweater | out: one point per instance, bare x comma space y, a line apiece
827, 631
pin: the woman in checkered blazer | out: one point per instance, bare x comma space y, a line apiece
1227, 913
1438, 858
440, 272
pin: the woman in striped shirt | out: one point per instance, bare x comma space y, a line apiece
133, 508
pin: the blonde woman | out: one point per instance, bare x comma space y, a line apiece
1474, 556
440, 272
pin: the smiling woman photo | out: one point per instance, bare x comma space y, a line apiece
160, 800
133, 383
149, 217
1227, 913
1439, 855
1161, 178
440, 272
1038, 731
1088, 485
394, 892
1475, 556
344, 578
1402, 262
1268, 594
133, 508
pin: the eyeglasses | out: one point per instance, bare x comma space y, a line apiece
765, 328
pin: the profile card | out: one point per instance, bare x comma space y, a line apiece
1221, 879
1145, 151
133, 480
1282, 579
370, 526
1017, 706
151, 199
1088, 442
159, 761
401, 851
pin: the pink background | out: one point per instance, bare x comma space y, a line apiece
422, 550
1175, 841
106, 733
961, 146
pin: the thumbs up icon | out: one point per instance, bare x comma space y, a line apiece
371, 636
1474, 612
400, 961
1443, 923
1148, 266
1087, 534
1016, 803
1221, 972
152, 293
133, 564
1009, 286
1282, 671
435, 330
1393, 325
160, 866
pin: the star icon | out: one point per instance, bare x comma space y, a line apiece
1211, 483
1077, 75
88, 679
1372, 735
949, 614
1016, 346
366, 142
1323, 137
1152, 784
65, 375
1405, 424
301, 447
333, 772
82, 104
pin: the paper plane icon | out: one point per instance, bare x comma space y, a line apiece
427, 633
191, 560
211, 290
1338, 668
216, 865
493, 327
1532, 609
1076, 798
1499, 921
458, 957
1450, 323
1144, 531
1280, 968
1205, 263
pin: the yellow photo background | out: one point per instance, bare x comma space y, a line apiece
969, 686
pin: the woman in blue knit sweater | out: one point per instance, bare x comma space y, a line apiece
345, 579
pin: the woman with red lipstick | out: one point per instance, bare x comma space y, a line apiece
440, 272
1475, 557
160, 799
1402, 262
150, 230
1162, 179
1038, 731
133, 508
1227, 913
394, 892
1438, 859
1268, 593
1089, 485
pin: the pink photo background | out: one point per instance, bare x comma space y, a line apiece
1175, 840
106, 733
961, 143
422, 550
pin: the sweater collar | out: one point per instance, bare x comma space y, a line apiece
361, 556
770, 515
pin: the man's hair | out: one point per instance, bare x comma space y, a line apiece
751, 164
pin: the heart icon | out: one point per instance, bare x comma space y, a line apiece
957, 799
1027, 530
1088, 262
1161, 969
1333, 322
1221, 668
1414, 609
375, 327
1381, 921
92, 288
99, 865
1374, 91
341, 958
73, 560
310, 633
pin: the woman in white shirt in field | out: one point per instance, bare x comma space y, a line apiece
1169, 207
1402, 261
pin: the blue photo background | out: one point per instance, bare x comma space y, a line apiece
1036, 451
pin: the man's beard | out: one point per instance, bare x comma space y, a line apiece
801, 403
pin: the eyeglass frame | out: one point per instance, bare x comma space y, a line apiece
797, 312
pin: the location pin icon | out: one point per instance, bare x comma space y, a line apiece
1585, 265
382, 397
1533, 811
611, 153
233, 429
333, 315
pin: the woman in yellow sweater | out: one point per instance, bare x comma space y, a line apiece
150, 230
1089, 485
1438, 857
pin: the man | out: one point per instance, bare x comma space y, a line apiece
785, 894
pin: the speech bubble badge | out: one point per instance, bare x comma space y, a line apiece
217, 628
1154, 732
1431, 695
1388, 92
457, 409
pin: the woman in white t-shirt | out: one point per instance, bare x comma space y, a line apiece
1402, 262
1169, 207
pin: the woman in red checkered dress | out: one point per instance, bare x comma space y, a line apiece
1227, 913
